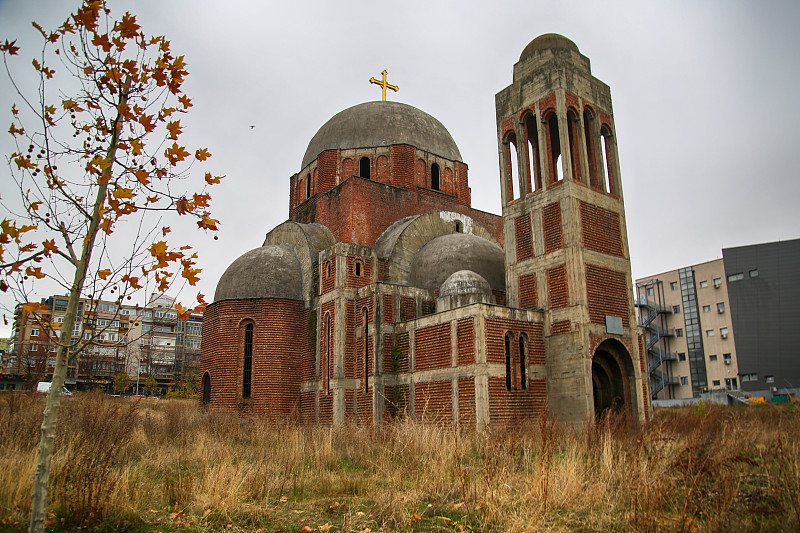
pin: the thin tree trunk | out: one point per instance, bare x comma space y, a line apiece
41, 477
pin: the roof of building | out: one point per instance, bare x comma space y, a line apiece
548, 41
465, 282
446, 254
374, 124
271, 271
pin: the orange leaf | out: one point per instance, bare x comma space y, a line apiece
9, 47
49, 246
165, 230
212, 180
103, 274
14, 130
127, 27
174, 129
185, 100
176, 153
207, 223
202, 154
191, 275
142, 175
183, 206
123, 193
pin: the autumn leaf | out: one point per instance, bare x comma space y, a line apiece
306, 529
174, 129
102, 41
176, 153
201, 200
23, 162
185, 100
202, 154
127, 27
213, 180
132, 280
142, 176
35, 272
191, 275
165, 230
71, 105
9, 47
147, 123
14, 130
103, 274
123, 193
207, 223
183, 206
49, 246
137, 146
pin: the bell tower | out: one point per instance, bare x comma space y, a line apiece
564, 229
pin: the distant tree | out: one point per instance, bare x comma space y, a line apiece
122, 382
97, 164
151, 386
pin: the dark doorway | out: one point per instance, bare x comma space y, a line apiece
612, 372
206, 388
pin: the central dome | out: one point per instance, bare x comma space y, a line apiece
374, 124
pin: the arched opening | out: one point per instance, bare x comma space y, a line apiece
358, 268
328, 269
554, 145
435, 179
572, 133
508, 361
363, 167
247, 371
458, 226
206, 388
588, 135
532, 134
612, 378
607, 145
523, 369
308, 186
328, 351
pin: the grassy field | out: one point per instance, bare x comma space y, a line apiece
164, 466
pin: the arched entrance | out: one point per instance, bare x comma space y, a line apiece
206, 388
612, 378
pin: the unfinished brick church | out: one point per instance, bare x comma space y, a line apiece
386, 294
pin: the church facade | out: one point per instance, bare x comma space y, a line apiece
386, 294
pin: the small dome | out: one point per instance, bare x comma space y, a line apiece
548, 41
373, 124
464, 282
271, 271
443, 255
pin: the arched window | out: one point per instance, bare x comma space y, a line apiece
328, 352
308, 186
523, 374
572, 133
554, 144
206, 388
607, 145
458, 226
328, 269
508, 361
435, 181
248, 361
532, 133
365, 321
591, 158
358, 268
363, 167
512, 166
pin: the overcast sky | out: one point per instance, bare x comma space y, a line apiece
704, 93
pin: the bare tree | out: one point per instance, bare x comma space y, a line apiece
98, 162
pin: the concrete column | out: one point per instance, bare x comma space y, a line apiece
563, 134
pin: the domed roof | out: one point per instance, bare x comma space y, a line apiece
547, 41
464, 282
374, 124
271, 271
443, 255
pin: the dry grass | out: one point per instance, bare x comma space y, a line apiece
166, 466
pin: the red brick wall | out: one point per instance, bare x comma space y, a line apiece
402, 161
551, 218
509, 408
499, 296
465, 331
561, 327
496, 329
601, 230
279, 349
326, 343
326, 170
466, 402
607, 291
350, 210
408, 308
388, 308
382, 171
402, 346
327, 275
548, 102
524, 237
432, 347
433, 403
528, 296
354, 281
557, 288
308, 415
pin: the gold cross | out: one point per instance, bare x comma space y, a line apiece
384, 85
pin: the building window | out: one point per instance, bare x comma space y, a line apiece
736, 277
33, 347
308, 186
769, 379
650, 291
715, 383
248, 361
749, 377
673, 286
676, 308
363, 167
358, 268
523, 382
458, 226
206, 388
684, 380
508, 361
679, 332
721, 307
709, 333
712, 358
706, 308
681, 357
717, 283
435, 185
723, 332
704, 284
754, 273
727, 358
34, 332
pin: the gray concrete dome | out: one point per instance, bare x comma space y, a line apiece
464, 282
374, 124
446, 254
548, 41
271, 271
